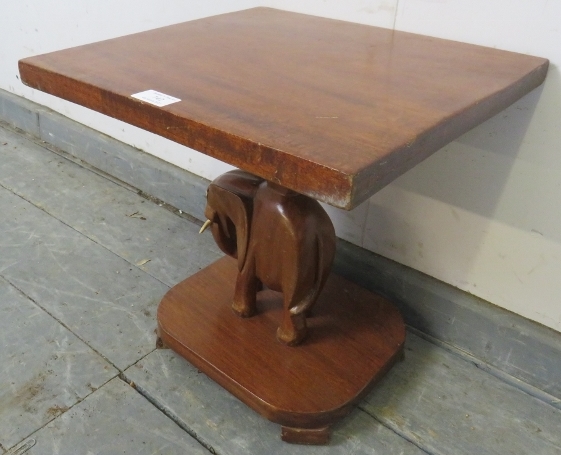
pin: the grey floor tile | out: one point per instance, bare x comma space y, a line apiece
229, 427
99, 257
449, 406
104, 300
45, 368
162, 243
114, 420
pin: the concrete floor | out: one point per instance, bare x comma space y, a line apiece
84, 262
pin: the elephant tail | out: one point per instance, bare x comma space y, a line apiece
324, 259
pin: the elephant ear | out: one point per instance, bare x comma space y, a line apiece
234, 193
242, 230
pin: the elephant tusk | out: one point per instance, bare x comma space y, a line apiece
207, 224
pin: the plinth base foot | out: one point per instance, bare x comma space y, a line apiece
159, 341
315, 436
353, 339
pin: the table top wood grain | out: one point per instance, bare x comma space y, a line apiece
331, 109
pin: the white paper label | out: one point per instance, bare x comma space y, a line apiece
155, 98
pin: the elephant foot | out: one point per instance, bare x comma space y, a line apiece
244, 303
293, 330
244, 310
290, 339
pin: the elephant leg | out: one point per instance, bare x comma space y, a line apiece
245, 293
292, 329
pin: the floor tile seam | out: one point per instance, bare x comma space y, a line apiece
397, 432
105, 175
118, 371
11, 190
168, 413
59, 322
140, 359
34, 432
491, 370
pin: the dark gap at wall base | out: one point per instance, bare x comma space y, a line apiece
519, 351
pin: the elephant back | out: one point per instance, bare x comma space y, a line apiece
239, 182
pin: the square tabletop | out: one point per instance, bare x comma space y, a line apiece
331, 109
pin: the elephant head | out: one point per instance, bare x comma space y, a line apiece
229, 210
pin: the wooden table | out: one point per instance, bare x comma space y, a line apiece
313, 108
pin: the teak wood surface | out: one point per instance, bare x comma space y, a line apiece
330, 109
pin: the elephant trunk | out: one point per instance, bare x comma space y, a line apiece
229, 209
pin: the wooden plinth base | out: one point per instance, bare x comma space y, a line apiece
354, 337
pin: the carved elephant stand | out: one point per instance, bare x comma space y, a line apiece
279, 249
281, 239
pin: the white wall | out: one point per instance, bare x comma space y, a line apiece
483, 213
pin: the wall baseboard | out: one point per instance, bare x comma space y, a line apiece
519, 351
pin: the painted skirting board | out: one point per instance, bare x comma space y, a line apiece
507, 345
